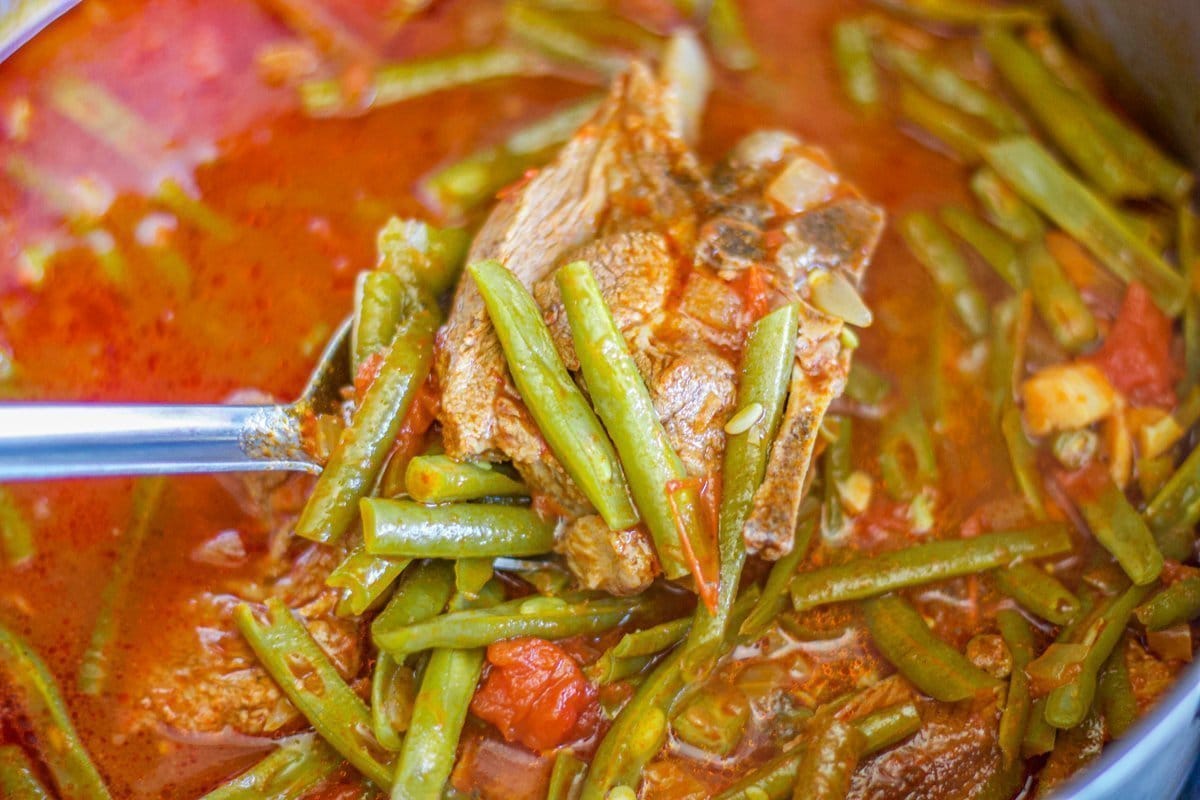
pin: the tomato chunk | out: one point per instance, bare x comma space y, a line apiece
534, 693
1136, 355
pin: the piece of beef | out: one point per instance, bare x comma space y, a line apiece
619, 562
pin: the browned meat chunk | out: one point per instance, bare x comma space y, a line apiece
619, 562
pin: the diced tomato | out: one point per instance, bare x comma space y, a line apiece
420, 416
1136, 355
1084, 484
534, 693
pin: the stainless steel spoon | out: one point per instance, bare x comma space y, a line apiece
65, 440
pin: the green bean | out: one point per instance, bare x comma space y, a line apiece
673, 516
829, 761
852, 54
440, 709
460, 530
379, 302
1023, 459
1011, 318
865, 385
1005, 209
610, 669
713, 720
1039, 734
652, 640
561, 412
1065, 65
1041, 180
1114, 693
1038, 592
356, 461
774, 594
945, 84
543, 31
441, 479
929, 663
171, 194
391, 705
94, 665
16, 536
567, 776
543, 617
1058, 301
290, 772
422, 255
925, 563
965, 136
966, 12
1075, 749
37, 694
936, 251
1018, 636
421, 596
766, 374
1060, 113
394, 83
996, 249
1122, 532
727, 34
17, 778
836, 468
1179, 602
775, 779
907, 431
1187, 237
1173, 513
1067, 705
466, 184
363, 579
96, 110
305, 675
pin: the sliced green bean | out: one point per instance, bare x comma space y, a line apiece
945, 84
391, 705
543, 617
1040, 179
775, 592
936, 251
94, 665
402, 528
1005, 209
965, 136
37, 694
1018, 636
394, 83
766, 374
1122, 532
1114, 693
670, 508
727, 34
906, 435
545, 32
379, 303
566, 778
291, 771
476, 179
925, 563
966, 12
610, 669
1179, 602
562, 413
1023, 459
1173, 513
1039, 735
1011, 318
1060, 113
996, 249
866, 385
441, 479
652, 640
421, 596
856, 66
98, 111
447, 686
774, 780
1058, 301
172, 194
16, 536
1067, 705
363, 579
926, 661
829, 761
836, 468
713, 720
354, 466
421, 255
305, 675
1038, 592
18, 781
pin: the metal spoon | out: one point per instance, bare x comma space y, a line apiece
68, 440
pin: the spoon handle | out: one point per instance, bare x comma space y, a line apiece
63, 440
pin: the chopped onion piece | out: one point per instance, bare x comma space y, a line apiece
803, 184
835, 295
1065, 397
